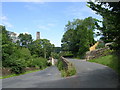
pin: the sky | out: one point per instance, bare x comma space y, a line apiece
49, 18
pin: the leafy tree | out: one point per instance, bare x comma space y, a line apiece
8, 47
41, 48
110, 30
25, 39
79, 36
57, 49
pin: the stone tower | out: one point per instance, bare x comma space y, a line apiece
37, 35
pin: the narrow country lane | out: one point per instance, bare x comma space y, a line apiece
89, 75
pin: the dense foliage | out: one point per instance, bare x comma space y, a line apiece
79, 36
25, 52
41, 47
110, 29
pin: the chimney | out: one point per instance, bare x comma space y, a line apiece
37, 35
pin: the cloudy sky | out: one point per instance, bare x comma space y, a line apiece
49, 18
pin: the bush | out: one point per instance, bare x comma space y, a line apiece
69, 72
100, 45
60, 65
55, 55
49, 64
66, 72
22, 58
17, 66
38, 62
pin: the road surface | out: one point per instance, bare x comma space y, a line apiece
89, 75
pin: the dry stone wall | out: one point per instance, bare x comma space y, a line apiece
96, 53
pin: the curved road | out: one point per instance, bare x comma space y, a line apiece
89, 75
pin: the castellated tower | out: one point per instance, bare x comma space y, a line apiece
37, 35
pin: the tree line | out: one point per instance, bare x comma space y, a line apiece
24, 52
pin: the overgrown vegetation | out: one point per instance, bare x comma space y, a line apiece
66, 70
110, 28
79, 36
109, 60
19, 53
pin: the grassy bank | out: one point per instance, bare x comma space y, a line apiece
12, 75
109, 60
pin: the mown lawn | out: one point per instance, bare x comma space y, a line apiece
109, 60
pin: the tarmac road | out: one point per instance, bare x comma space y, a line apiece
89, 75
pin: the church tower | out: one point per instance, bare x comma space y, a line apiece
37, 35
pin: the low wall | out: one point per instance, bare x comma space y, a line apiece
96, 53
66, 63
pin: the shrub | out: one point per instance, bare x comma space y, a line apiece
100, 45
39, 62
49, 64
60, 65
71, 70
66, 72
17, 66
55, 55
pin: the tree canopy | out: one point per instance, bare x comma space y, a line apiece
110, 11
79, 36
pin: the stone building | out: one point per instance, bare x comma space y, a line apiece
37, 35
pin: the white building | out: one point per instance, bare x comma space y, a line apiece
13, 36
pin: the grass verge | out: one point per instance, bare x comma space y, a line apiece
12, 75
69, 72
65, 72
109, 60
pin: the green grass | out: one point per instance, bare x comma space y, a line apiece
109, 60
12, 75
70, 72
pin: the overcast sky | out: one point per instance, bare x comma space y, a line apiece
49, 18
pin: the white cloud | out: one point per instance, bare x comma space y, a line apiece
79, 11
46, 27
3, 18
51, 24
5, 22
43, 27
30, 7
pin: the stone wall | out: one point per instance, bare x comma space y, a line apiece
97, 53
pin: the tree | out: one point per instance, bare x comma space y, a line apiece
41, 48
8, 47
79, 36
25, 39
110, 11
